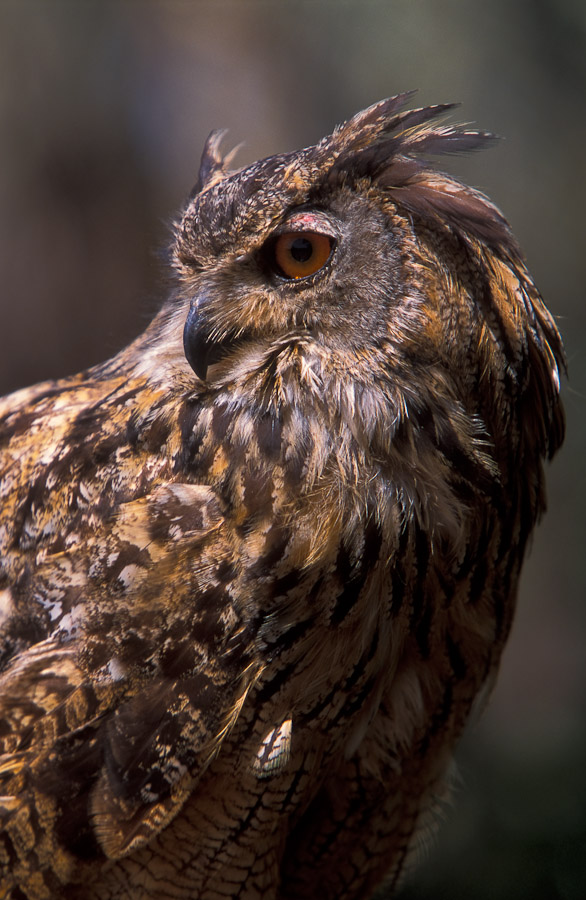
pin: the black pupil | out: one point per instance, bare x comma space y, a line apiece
301, 250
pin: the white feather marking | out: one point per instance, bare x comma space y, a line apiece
275, 750
6, 605
116, 669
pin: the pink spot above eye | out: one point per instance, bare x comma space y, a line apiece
307, 222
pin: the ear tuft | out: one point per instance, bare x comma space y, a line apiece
213, 166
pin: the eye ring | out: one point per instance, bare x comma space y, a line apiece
300, 254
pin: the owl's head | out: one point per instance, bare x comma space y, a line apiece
320, 241
358, 249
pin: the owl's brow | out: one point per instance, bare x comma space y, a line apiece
305, 221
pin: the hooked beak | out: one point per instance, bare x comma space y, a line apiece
195, 342
201, 348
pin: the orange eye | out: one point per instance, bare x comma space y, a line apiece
302, 253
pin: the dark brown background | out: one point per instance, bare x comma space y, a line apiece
104, 107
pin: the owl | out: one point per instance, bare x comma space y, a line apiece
258, 569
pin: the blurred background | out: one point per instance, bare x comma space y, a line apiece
104, 107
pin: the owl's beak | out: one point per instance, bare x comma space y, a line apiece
201, 348
195, 342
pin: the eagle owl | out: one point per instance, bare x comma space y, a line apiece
257, 568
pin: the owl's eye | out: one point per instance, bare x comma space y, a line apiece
298, 254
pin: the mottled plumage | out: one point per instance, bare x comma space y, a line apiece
256, 568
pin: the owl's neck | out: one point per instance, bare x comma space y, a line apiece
297, 421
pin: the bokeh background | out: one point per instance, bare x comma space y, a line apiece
104, 107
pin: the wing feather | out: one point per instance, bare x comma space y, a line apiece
115, 721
